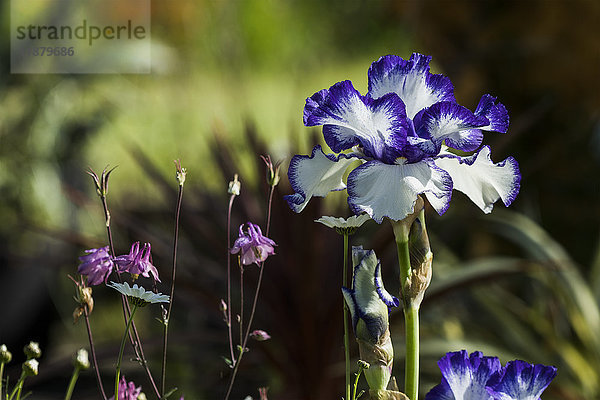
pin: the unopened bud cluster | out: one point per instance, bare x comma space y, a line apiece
30, 367
5, 355
81, 360
32, 350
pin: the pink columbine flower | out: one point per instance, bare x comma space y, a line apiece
137, 262
127, 390
96, 265
254, 247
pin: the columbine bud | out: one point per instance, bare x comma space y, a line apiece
234, 186
30, 367
223, 308
181, 172
102, 181
262, 392
81, 360
272, 171
84, 297
5, 355
260, 335
32, 350
142, 396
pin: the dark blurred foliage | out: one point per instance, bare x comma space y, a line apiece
503, 285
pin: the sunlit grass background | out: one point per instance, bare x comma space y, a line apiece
229, 82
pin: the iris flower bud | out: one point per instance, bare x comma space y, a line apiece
369, 305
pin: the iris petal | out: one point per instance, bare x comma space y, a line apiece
496, 114
315, 175
349, 119
464, 376
411, 80
521, 381
481, 180
453, 123
384, 190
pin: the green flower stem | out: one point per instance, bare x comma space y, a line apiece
125, 334
346, 329
72, 383
18, 387
360, 370
1, 378
411, 321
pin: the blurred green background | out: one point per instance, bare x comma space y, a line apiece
228, 84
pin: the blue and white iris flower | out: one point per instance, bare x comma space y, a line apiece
476, 377
404, 131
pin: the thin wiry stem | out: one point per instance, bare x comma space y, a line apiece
247, 334
136, 343
241, 321
269, 210
86, 314
169, 307
254, 302
230, 336
120, 358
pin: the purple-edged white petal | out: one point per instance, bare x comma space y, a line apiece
455, 124
481, 180
315, 175
349, 119
351, 303
383, 190
464, 376
384, 295
411, 80
521, 381
496, 114
367, 300
440, 392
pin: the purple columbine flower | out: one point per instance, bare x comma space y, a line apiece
405, 131
137, 262
476, 377
96, 265
254, 247
127, 390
